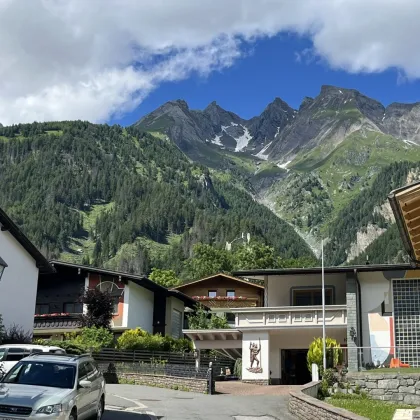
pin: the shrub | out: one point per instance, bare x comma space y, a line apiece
237, 370
92, 338
329, 377
323, 390
202, 320
15, 334
315, 353
139, 339
130, 339
69, 346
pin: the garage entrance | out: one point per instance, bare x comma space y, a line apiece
294, 367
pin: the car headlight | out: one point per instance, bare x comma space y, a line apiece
50, 409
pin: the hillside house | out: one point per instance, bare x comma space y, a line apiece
18, 284
139, 302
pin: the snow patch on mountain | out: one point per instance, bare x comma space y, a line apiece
410, 143
284, 165
217, 141
261, 154
243, 141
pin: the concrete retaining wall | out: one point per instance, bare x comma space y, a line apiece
305, 406
398, 387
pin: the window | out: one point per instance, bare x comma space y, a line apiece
15, 354
42, 309
176, 327
116, 302
2, 353
83, 371
311, 297
230, 293
230, 317
42, 374
212, 293
73, 308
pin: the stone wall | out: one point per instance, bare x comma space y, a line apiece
171, 382
398, 387
256, 381
304, 406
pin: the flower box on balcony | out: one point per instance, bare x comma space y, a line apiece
52, 315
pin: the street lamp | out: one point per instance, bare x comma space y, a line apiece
3, 265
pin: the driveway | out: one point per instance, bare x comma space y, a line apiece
135, 402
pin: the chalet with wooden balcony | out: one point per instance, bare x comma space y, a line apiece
222, 292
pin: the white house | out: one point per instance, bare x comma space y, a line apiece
373, 311
18, 284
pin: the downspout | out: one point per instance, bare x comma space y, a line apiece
359, 309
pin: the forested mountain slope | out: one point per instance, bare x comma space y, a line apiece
124, 199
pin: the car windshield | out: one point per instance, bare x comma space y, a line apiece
56, 375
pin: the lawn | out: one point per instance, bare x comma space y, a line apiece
363, 406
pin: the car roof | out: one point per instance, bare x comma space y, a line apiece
29, 346
58, 358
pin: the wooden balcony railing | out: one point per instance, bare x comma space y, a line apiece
56, 321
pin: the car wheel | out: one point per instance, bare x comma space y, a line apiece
73, 415
100, 411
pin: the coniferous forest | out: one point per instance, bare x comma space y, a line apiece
72, 183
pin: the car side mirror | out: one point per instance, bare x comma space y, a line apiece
85, 384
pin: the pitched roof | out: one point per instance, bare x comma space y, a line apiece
318, 270
8, 225
140, 280
218, 275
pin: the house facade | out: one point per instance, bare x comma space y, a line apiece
138, 301
373, 312
222, 292
18, 284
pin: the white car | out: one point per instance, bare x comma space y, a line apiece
10, 354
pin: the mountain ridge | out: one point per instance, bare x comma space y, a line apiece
336, 142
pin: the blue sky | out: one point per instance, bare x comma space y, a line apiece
271, 69
79, 60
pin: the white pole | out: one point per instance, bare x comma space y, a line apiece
323, 307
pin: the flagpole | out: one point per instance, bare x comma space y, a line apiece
323, 307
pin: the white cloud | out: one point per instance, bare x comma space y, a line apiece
90, 59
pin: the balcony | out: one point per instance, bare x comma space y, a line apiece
290, 317
56, 322
227, 302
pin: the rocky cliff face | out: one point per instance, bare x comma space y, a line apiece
280, 132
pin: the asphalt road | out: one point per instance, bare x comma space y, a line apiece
131, 402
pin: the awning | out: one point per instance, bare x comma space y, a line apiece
405, 204
228, 338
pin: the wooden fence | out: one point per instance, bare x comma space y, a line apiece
157, 359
